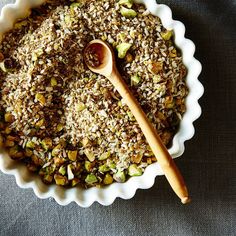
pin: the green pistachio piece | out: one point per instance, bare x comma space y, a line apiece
107, 179
75, 5
60, 180
56, 150
128, 3
47, 179
136, 79
156, 78
119, 177
103, 168
40, 98
72, 155
91, 179
80, 106
167, 34
30, 144
89, 155
123, 49
104, 156
62, 170
46, 143
74, 182
112, 165
53, 82
128, 13
88, 166
133, 170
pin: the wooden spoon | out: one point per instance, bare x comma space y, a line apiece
100, 58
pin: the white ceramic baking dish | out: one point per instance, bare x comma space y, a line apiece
107, 195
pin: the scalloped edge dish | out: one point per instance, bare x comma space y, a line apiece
107, 195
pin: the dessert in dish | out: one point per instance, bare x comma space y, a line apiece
69, 124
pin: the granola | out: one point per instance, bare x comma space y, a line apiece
70, 125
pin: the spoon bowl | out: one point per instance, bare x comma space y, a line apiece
104, 55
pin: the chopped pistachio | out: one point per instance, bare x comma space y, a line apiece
85, 141
60, 127
74, 182
62, 170
136, 79
91, 179
53, 82
89, 154
80, 107
169, 102
149, 161
156, 78
60, 180
133, 170
103, 168
104, 156
107, 179
40, 123
88, 166
119, 177
129, 58
40, 98
8, 117
70, 172
121, 36
20, 24
133, 34
128, 3
167, 34
128, 13
59, 161
75, 5
155, 67
56, 46
131, 116
123, 49
173, 53
56, 150
68, 20
30, 144
47, 179
112, 165
136, 158
72, 155
46, 143
104, 38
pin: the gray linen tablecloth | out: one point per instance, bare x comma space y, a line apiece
208, 164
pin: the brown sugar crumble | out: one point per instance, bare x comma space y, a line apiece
70, 125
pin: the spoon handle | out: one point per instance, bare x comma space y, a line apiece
161, 153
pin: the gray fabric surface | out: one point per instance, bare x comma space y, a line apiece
208, 164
